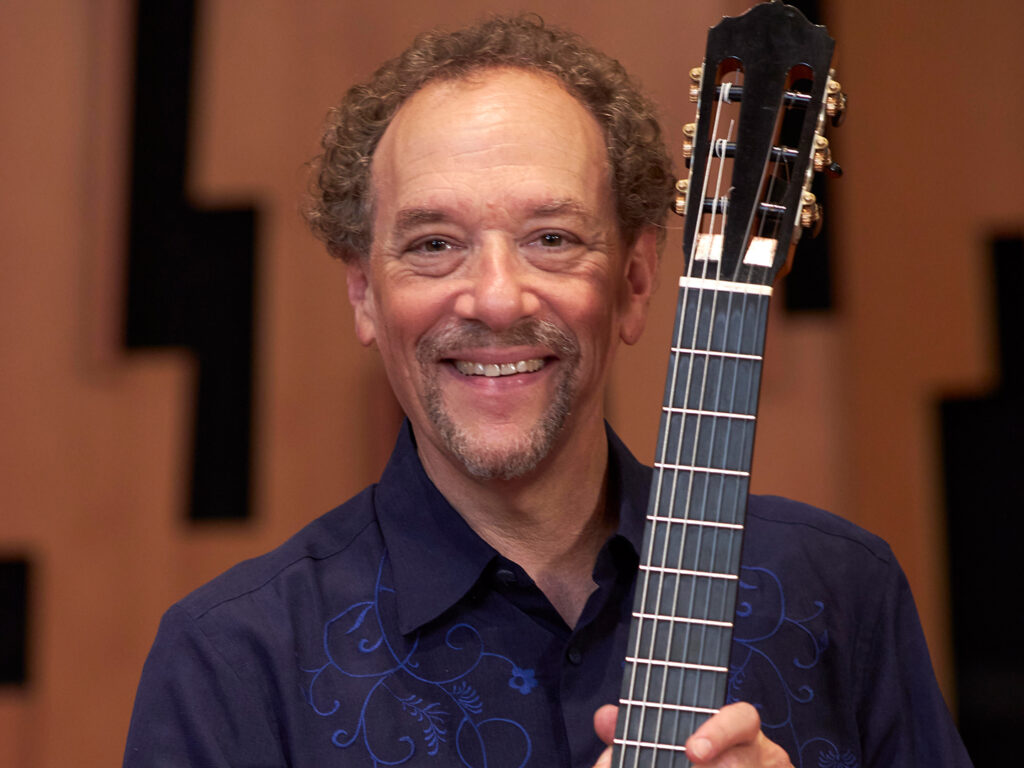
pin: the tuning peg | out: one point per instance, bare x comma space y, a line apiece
835, 103
695, 75
810, 212
834, 170
822, 153
682, 188
689, 131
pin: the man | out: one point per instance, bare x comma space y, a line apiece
497, 195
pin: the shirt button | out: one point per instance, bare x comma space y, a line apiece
505, 576
575, 656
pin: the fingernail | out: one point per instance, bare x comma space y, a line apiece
700, 748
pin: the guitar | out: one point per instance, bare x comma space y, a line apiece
764, 94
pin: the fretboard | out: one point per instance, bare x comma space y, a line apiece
677, 661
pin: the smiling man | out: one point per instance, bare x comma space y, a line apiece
497, 195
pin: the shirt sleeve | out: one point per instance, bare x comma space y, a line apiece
903, 717
193, 708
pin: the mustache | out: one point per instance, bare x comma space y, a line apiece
470, 334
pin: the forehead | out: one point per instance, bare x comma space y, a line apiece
503, 132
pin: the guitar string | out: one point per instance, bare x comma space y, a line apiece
753, 309
720, 145
659, 476
716, 150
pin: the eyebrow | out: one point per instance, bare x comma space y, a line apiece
411, 218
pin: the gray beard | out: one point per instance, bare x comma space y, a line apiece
523, 457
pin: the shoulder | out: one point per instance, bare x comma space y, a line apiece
336, 541
793, 528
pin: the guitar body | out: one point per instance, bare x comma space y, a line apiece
764, 92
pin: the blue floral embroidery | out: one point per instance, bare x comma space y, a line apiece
831, 758
364, 663
522, 680
753, 644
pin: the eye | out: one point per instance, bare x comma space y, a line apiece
555, 240
432, 245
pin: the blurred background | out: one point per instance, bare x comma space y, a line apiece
182, 389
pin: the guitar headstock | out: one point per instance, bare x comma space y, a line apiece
764, 94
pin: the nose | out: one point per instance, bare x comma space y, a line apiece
498, 294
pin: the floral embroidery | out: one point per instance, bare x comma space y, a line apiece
522, 680
832, 759
766, 628
379, 677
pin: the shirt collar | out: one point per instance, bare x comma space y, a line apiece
436, 558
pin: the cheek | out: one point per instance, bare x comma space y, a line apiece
406, 316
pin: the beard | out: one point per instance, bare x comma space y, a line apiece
521, 455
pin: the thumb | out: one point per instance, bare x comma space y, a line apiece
604, 724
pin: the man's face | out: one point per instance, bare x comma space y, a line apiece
497, 285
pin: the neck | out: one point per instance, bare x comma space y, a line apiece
552, 522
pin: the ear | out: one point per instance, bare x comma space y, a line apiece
360, 294
640, 279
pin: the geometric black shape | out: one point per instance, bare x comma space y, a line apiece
191, 272
808, 285
983, 456
14, 621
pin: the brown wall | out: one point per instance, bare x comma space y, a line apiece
93, 442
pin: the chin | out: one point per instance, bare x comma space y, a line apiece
508, 458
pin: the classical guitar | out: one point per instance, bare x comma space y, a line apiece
764, 94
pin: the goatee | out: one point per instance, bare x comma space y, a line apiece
524, 453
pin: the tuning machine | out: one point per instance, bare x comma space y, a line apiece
835, 102
695, 76
682, 188
810, 213
689, 132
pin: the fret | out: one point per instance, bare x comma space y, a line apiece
711, 383
721, 498
650, 744
684, 572
705, 441
696, 549
720, 322
691, 468
704, 641
737, 355
666, 591
700, 523
667, 706
678, 664
714, 414
683, 620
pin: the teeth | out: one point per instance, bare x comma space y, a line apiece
469, 368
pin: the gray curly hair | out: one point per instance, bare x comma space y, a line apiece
340, 209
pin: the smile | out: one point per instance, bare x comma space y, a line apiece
469, 368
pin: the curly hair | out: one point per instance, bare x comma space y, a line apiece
340, 209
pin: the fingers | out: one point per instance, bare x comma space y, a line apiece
735, 732
605, 760
604, 724
604, 727
732, 737
735, 724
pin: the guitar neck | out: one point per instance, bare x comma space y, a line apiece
763, 93
678, 653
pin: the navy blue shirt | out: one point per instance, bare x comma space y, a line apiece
388, 633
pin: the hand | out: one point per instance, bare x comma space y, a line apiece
730, 739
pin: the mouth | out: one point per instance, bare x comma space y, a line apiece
495, 370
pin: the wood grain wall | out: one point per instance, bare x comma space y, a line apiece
94, 441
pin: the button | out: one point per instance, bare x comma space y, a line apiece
575, 655
506, 576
